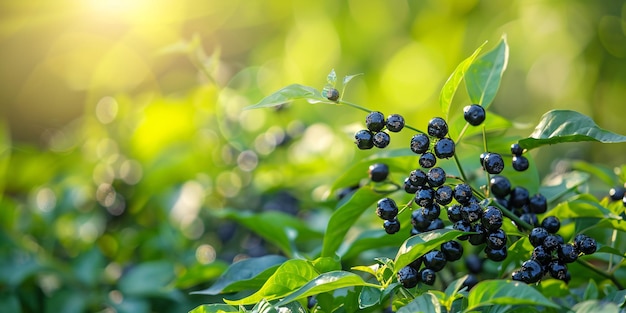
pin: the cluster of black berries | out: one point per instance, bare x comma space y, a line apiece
493, 163
519, 162
551, 254
518, 199
387, 210
374, 135
433, 261
442, 146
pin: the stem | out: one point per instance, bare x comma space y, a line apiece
611, 277
486, 149
460, 168
518, 221
462, 133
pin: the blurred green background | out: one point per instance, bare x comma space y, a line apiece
123, 129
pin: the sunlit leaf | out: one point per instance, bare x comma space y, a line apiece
348, 78
604, 173
331, 79
326, 282
451, 85
264, 307
290, 276
580, 206
490, 292
418, 245
344, 217
482, 79
595, 306
289, 94
425, 303
561, 185
245, 274
215, 308
559, 126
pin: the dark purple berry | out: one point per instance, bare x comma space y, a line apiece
519, 197
520, 163
444, 148
474, 114
496, 255
436, 224
409, 187
462, 193
386, 209
480, 234
471, 212
474, 264
419, 220
378, 172
530, 218
375, 121
391, 226
364, 139
551, 224
541, 255
427, 160
443, 195
492, 218
436, 177
464, 227
332, 94
557, 269
470, 281
425, 197
434, 260
516, 149
493, 163
537, 236
395, 123
432, 211
420, 143
454, 213
408, 277
552, 242
585, 244
428, 276
418, 178
534, 270
500, 186
437, 127
453, 250
617, 193
496, 239
538, 204
381, 140
567, 253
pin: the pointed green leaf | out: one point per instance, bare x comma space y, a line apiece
418, 245
348, 78
331, 79
451, 85
290, 276
561, 185
264, 307
490, 292
289, 94
344, 217
584, 205
483, 77
246, 274
324, 283
215, 308
369, 296
426, 303
595, 306
559, 126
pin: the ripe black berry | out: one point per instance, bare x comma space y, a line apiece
375, 121
492, 218
452, 250
462, 193
428, 276
437, 127
496, 239
443, 195
471, 212
497, 255
551, 224
617, 193
516, 149
470, 281
432, 211
408, 277
364, 139
585, 244
474, 114
534, 270
520, 163
493, 163
436, 224
480, 234
332, 94
434, 260
538, 204
444, 148
436, 177
454, 213
395, 123
552, 242
419, 220
557, 269
519, 197
530, 218
463, 226
482, 159
386, 209
537, 236
409, 187
474, 264
541, 255
420, 143
378, 172
418, 178
425, 197
567, 253
391, 226
427, 160
500, 186
381, 140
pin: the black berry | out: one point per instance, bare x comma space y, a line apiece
530, 218
427, 160
454, 213
432, 211
474, 114
462, 193
391, 226
520, 163
418, 178
541, 255
419, 220
516, 149
375, 121
464, 227
364, 139
497, 255
617, 193
551, 224
386, 209
378, 172
437, 127
444, 148
496, 239
519, 197
381, 140
480, 234
471, 212
420, 143
538, 204
436, 224
470, 281
425, 197
537, 236
551, 242
434, 260
409, 187
492, 218
557, 269
443, 195
407, 277
395, 123
452, 250
493, 163
474, 264
534, 270
567, 253
585, 244
436, 177
428, 276
332, 94
500, 186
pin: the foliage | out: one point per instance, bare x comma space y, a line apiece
328, 277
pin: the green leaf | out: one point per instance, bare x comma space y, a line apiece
215, 308
451, 85
418, 245
594, 306
372, 239
200, 274
348, 78
490, 292
289, 94
331, 79
324, 283
559, 126
561, 185
584, 205
604, 173
591, 292
246, 274
483, 77
344, 217
290, 276
327, 264
147, 279
264, 224
264, 307
425, 303
369, 296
